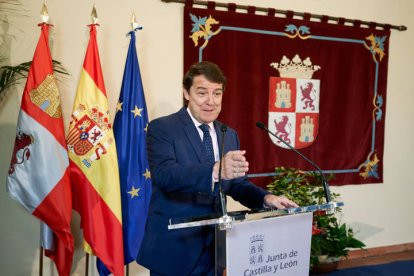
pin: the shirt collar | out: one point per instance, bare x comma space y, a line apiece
197, 123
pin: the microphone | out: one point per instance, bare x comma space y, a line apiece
324, 182
220, 180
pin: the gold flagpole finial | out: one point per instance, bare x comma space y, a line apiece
44, 15
94, 15
134, 23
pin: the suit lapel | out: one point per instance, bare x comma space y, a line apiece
191, 132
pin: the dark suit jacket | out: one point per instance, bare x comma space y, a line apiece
182, 188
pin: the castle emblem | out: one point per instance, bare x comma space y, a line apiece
46, 97
294, 102
87, 137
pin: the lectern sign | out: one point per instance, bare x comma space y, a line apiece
280, 246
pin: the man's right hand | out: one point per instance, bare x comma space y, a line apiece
234, 165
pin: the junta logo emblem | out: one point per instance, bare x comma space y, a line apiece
257, 250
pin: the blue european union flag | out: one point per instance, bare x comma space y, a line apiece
130, 127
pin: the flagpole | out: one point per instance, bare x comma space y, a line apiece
94, 20
87, 265
134, 25
41, 261
44, 16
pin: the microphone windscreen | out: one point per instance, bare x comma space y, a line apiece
260, 125
223, 128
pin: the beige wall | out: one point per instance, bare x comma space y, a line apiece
381, 213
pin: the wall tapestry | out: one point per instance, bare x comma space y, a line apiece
319, 86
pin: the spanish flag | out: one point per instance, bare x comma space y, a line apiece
94, 165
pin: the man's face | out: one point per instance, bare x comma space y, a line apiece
204, 99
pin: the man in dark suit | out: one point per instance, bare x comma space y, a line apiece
184, 176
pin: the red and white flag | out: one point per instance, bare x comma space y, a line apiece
38, 175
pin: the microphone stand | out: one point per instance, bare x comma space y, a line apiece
324, 182
225, 220
220, 180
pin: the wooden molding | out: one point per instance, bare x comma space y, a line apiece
378, 251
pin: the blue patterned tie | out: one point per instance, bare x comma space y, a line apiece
207, 143
209, 153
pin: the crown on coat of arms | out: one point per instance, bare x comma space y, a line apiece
100, 117
256, 238
295, 68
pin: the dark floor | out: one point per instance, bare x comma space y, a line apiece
379, 259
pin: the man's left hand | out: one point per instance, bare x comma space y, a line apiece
279, 202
